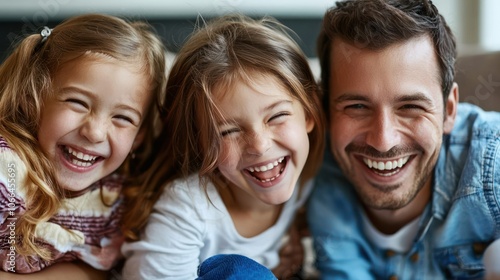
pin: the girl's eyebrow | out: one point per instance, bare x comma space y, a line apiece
276, 104
263, 110
70, 89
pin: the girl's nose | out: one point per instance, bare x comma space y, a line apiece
94, 130
258, 143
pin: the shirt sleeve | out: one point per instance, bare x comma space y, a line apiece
335, 257
490, 260
335, 242
171, 242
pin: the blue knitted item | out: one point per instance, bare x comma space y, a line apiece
233, 267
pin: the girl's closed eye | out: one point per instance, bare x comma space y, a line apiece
125, 120
279, 116
77, 103
230, 131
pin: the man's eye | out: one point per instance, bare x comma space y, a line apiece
355, 106
412, 107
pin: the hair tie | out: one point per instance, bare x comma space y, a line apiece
45, 33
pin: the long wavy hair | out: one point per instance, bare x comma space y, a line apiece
26, 81
226, 50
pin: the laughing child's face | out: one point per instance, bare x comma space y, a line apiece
89, 125
265, 141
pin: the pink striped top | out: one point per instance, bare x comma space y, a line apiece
85, 228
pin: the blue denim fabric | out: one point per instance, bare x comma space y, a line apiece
232, 267
456, 226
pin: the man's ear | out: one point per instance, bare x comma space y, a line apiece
451, 109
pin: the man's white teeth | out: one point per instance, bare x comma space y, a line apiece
81, 157
386, 165
266, 167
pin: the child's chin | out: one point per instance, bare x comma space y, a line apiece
279, 198
73, 185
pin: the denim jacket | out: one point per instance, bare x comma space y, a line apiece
460, 221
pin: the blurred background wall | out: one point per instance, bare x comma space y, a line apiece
475, 22
172, 19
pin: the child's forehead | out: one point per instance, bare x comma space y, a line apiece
252, 89
250, 78
131, 63
92, 57
90, 68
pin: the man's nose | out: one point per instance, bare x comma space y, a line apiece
383, 133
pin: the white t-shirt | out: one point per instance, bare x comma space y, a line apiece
400, 241
186, 228
490, 258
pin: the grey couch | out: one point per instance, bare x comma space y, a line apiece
478, 78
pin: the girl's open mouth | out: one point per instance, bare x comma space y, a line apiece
78, 158
268, 172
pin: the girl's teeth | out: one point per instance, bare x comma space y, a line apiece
81, 156
266, 167
80, 163
273, 178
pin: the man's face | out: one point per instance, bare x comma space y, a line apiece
387, 119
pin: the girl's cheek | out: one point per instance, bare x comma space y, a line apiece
226, 151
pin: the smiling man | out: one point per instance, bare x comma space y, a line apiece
410, 185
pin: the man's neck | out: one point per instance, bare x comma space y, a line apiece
390, 221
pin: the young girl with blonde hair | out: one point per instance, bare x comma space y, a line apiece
243, 135
75, 102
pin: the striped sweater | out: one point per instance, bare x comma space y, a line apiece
85, 228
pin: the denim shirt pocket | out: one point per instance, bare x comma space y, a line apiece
461, 261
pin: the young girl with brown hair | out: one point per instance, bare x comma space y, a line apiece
75, 102
243, 135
